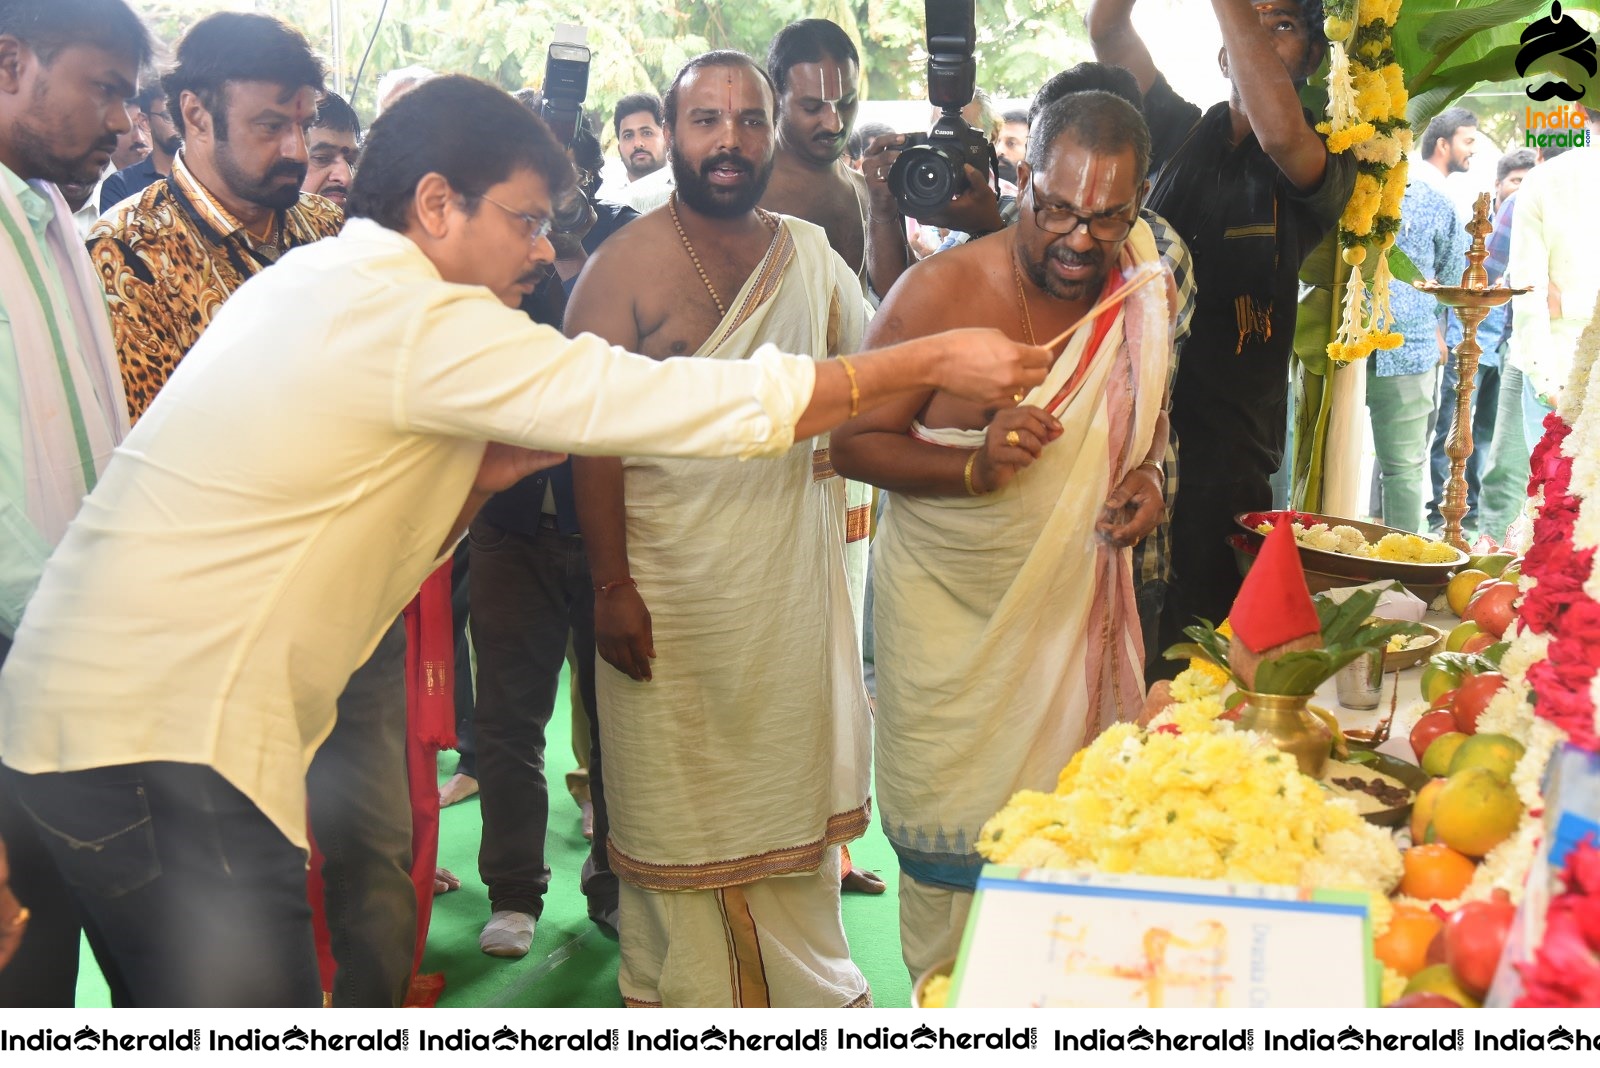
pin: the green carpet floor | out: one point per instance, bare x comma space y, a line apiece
572, 963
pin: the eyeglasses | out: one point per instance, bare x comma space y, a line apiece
1061, 220
535, 228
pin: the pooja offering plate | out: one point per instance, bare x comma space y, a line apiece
1426, 580
1382, 787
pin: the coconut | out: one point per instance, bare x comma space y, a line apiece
1244, 660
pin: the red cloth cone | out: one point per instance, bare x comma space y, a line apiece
1274, 606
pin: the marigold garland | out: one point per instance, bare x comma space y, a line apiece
1366, 117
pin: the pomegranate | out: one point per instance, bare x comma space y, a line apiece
1472, 697
1491, 607
1474, 937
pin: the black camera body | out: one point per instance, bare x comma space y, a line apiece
931, 169
566, 84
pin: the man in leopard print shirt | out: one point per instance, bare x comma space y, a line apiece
243, 91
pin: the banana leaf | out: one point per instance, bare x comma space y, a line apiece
1448, 47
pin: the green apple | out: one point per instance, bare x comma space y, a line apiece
1492, 564
1459, 634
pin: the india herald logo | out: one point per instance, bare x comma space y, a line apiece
1557, 34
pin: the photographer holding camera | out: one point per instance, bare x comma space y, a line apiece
941, 178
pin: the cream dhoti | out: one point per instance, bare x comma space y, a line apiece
733, 776
1007, 636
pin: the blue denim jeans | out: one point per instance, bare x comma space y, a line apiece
1534, 412
360, 809
1401, 407
189, 895
1505, 470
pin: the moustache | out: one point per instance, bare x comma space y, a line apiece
287, 168
105, 144
726, 159
645, 152
536, 275
1071, 257
1556, 89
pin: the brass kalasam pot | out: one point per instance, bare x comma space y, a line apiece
1284, 719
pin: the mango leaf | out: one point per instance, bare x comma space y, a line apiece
1301, 673
1340, 620
1400, 265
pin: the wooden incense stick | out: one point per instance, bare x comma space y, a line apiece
1145, 275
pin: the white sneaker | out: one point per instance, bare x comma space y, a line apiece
507, 934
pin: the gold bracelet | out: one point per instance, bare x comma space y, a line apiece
966, 475
1160, 469
855, 390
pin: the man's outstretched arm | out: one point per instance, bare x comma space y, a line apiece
1267, 92
1111, 32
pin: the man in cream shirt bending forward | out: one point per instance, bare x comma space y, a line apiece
314, 457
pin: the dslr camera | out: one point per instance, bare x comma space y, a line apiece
931, 169
566, 84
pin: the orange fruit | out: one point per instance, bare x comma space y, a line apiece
1435, 872
1404, 946
1475, 811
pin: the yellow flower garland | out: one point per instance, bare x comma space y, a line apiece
1367, 117
1196, 799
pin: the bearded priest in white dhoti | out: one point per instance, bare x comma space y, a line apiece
1007, 634
734, 722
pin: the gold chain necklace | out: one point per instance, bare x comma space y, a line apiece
1022, 296
672, 207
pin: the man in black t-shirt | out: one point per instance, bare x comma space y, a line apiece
1252, 188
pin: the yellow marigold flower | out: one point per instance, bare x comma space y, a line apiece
1200, 681
1389, 340
1368, 10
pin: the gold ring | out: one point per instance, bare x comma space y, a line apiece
1013, 438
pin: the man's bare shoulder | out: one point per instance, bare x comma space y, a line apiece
957, 271
621, 256
969, 285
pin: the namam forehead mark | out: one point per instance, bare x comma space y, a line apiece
1094, 182
737, 88
826, 81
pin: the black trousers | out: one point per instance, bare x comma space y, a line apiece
1205, 576
44, 973
527, 593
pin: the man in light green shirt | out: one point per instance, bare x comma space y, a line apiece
67, 68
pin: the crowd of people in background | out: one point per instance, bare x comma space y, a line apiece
325, 449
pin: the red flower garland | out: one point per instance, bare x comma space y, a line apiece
1557, 604
1565, 972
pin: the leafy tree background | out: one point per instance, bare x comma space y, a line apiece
640, 44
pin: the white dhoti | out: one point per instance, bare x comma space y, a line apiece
735, 773
1007, 636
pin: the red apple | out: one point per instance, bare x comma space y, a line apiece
1491, 607
1472, 697
1430, 726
